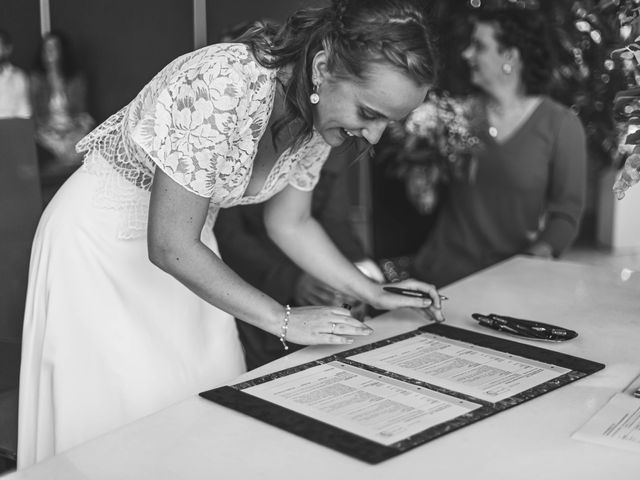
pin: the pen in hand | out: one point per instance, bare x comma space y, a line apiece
435, 316
407, 292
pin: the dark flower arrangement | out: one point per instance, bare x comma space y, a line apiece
437, 144
627, 102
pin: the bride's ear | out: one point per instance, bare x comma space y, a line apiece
319, 67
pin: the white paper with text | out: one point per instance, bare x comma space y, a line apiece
617, 424
476, 371
376, 407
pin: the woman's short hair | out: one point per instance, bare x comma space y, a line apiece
527, 31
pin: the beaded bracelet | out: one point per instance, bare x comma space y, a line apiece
285, 327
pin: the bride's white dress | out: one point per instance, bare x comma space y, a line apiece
108, 337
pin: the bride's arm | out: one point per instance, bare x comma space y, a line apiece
176, 219
290, 224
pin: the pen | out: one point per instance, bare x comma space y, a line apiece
496, 324
528, 325
508, 324
407, 292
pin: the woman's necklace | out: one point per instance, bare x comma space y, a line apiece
494, 112
496, 115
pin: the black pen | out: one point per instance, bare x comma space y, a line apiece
407, 292
537, 327
494, 323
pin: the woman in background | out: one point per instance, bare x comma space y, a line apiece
130, 308
14, 83
529, 190
59, 98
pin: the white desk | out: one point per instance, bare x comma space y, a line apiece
197, 439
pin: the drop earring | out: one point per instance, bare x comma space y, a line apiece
506, 68
314, 98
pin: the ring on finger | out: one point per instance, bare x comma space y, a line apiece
333, 328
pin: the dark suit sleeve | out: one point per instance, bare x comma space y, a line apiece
247, 249
331, 203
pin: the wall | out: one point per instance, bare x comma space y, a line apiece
123, 43
223, 14
21, 18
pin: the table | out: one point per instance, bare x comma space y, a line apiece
197, 439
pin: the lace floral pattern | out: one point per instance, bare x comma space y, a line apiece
200, 120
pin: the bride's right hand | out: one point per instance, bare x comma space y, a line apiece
323, 325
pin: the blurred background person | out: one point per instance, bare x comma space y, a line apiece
528, 194
14, 83
247, 248
59, 98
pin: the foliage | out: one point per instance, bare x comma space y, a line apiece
627, 101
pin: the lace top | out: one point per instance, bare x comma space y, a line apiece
200, 120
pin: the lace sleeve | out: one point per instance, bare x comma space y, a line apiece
191, 128
310, 159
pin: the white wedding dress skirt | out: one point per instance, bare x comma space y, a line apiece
108, 337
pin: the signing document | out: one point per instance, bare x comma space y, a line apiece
479, 372
370, 405
379, 400
385, 408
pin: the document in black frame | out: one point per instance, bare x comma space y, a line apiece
379, 400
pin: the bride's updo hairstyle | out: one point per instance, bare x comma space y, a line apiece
354, 34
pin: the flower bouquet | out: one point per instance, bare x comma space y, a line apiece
437, 144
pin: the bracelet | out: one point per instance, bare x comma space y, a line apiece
285, 327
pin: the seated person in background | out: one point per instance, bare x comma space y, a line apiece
59, 97
246, 247
14, 83
529, 189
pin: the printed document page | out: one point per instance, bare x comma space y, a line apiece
373, 406
617, 424
476, 371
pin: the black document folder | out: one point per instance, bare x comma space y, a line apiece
486, 391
